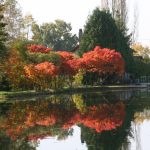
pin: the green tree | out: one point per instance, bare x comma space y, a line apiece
55, 35
118, 10
102, 30
20, 45
3, 50
142, 68
13, 18
3, 35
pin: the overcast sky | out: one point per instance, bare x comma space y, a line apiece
76, 12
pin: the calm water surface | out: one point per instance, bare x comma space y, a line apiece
109, 120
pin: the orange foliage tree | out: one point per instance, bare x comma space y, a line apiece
69, 66
103, 61
38, 48
41, 73
14, 70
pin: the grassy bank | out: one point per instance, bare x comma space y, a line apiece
32, 93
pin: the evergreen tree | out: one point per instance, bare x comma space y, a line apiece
118, 10
102, 30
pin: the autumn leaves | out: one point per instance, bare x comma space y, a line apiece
100, 60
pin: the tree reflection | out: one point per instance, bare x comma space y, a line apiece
117, 139
109, 140
7, 144
105, 121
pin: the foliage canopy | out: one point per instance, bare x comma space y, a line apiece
101, 29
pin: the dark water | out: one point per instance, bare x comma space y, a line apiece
109, 120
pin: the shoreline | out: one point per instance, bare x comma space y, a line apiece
32, 93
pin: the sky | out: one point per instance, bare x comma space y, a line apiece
77, 11
70, 143
140, 135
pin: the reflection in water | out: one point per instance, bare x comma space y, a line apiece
106, 120
72, 143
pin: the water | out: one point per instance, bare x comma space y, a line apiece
108, 120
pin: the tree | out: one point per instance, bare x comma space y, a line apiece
45, 66
140, 50
3, 35
142, 59
14, 71
55, 35
28, 21
3, 50
104, 4
69, 63
39, 48
13, 18
118, 10
135, 24
102, 66
101, 29
103, 61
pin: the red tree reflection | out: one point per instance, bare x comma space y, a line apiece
24, 116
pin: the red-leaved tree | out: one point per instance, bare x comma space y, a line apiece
38, 48
41, 73
103, 61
